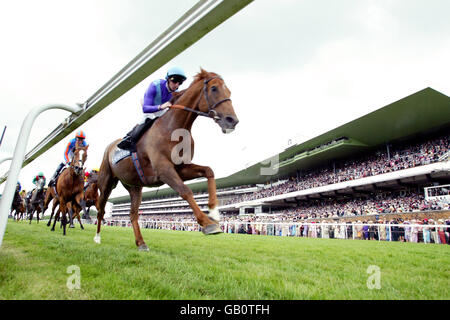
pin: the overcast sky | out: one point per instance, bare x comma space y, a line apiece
296, 69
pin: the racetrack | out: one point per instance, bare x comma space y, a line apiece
34, 264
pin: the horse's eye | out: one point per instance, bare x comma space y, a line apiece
214, 89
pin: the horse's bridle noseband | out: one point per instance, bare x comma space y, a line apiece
211, 112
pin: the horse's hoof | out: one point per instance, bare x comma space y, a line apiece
72, 226
143, 247
212, 229
97, 239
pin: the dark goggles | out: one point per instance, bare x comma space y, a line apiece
176, 79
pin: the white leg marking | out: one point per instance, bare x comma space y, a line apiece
214, 214
97, 238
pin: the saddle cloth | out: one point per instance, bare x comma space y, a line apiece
120, 154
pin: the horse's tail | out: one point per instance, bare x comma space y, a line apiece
106, 183
105, 174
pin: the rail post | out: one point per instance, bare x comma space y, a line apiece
18, 158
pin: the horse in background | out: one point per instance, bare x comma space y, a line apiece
18, 206
91, 193
69, 187
159, 154
36, 201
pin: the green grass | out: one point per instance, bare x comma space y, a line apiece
191, 266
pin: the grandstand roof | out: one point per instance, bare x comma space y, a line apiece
420, 113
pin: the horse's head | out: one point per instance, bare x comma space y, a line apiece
217, 102
79, 158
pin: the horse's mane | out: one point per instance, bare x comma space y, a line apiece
202, 75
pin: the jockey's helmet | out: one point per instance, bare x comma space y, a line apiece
41, 174
80, 134
176, 74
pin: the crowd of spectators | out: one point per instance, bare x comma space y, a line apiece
424, 231
400, 157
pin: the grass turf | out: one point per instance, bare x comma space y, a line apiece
191, 266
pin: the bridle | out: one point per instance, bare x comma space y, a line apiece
211, 112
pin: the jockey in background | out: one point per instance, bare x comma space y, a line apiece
36, 179
88, 174
86, 178
155, 104
79, 140
39, 176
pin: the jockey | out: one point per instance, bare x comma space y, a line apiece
18, 187
155, 104
36, 179
39, 176
86, 178
79, 140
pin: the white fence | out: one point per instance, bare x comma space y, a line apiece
434, 233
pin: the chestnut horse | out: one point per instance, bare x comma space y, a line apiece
159, 154
69, 186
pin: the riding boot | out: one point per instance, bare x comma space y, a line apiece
56, 174
132, 137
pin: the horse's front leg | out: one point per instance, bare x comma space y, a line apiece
193, 171
57, 215
31, 214
169, 175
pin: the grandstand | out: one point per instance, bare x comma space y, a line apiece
386, 157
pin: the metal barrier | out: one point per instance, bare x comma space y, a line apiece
18, 157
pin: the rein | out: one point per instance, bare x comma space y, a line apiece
211, 112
